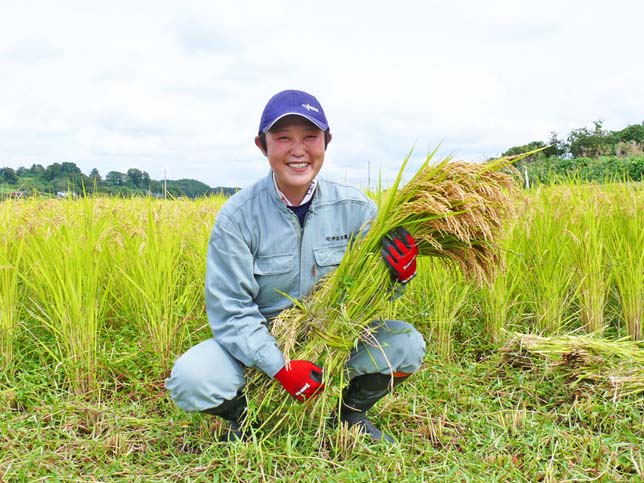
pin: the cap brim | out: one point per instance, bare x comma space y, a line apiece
318, 123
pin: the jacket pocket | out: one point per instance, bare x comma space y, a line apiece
329, 256
273, 264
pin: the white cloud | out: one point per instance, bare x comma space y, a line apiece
180, 87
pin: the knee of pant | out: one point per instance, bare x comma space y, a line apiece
410, 349
418, 348
186, 384
200, 380
395, 346
185, 373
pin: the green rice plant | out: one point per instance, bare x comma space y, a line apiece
11, 252
589, 254
203, 213
444, 292
68, 258
454, 211
625, 242
499, 300
547, 270
158, 290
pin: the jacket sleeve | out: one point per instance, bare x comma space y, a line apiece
231, 288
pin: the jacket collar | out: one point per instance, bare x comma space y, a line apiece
275, 195
307, 197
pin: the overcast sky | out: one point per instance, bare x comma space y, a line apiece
179, 86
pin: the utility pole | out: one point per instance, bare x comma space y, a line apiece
165, 185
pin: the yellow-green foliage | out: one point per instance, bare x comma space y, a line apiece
161, 273
10, 259
67, 279
446, 292
72, 272
625, 239
95, 263
573, 260
577, 243
455, 422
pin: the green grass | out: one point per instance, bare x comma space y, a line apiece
465, 421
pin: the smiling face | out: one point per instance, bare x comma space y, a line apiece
295, 150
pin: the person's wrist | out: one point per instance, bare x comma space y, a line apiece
281, 375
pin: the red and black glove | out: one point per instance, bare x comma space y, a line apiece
302, 379
399, 251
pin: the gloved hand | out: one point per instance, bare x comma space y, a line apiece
302, 379
399, 251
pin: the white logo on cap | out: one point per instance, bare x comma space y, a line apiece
309, 107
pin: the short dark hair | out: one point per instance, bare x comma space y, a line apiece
262, 139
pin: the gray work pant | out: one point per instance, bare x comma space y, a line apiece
207, 374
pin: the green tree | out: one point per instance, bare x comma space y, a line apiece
156, 187
188, 187
52, 172
632, 133
95, 176
8, 175
37, 170
134, 177
516, 150
591, 143
556, 147
115, 178
630, 141
70, 169
513, 151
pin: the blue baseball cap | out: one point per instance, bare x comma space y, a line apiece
292, 102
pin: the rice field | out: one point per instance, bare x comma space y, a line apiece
98, 296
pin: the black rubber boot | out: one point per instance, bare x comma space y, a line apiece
360, 395
233, 411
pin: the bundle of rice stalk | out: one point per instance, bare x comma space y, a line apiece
454, 210
589, 346
614, 365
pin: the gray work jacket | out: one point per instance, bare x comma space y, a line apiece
257, 247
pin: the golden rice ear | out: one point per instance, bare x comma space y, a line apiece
457, 210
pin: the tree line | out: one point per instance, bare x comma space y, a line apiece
67, 178
594, 154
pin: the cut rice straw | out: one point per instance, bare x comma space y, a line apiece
613, 365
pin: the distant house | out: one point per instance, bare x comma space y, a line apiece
17, 194
65, 194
